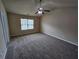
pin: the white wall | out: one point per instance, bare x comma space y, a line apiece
61, 23
4, 38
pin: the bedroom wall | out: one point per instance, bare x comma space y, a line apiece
15, 26
4, 35
62, 23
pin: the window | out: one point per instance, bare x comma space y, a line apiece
27, 24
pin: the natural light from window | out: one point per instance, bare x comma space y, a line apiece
27, 24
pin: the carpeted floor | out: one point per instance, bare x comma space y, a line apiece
40, 46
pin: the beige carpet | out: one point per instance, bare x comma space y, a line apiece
40, 46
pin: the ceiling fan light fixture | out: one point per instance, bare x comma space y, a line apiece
40, 12
41, 9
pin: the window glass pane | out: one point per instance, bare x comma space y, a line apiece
23, 24
30, 21
24, 27
23, 21
30, 24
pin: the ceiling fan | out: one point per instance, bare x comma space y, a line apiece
41, 10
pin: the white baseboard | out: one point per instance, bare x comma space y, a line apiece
63, 39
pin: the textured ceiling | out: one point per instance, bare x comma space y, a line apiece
29, 7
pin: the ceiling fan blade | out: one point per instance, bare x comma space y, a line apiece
36, 12
46, 10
